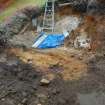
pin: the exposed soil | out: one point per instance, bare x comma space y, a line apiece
70, 75
76, 76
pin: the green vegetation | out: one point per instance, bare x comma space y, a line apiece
18, 4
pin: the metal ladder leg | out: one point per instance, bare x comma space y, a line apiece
48, 21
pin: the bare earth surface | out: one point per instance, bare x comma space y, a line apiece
74, 80
71, 76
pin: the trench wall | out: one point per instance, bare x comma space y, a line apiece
13, 25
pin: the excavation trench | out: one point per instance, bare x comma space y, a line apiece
75, 75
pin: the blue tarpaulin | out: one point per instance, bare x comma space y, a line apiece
49, 41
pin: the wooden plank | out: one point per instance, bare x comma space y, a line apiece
64, 4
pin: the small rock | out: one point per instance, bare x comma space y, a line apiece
24, 94
3, 58
24, 101
42, 97
80, 58
20, 104
55, 91
45, 82
39, 104
34, 87
29, 61
3, 99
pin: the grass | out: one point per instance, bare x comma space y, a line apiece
18, 4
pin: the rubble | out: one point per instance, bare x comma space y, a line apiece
82, 41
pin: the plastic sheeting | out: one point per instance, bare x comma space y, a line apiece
49, 41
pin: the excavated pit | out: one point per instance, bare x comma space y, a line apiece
75, 75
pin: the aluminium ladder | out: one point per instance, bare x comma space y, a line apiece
48, 21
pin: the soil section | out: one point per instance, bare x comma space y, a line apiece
73, 75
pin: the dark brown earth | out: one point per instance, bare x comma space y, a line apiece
20, 82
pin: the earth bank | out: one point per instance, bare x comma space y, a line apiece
72, 75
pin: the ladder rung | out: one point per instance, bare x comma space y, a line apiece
48, 16
48, 21
49, 10
49, 7
47, 28
49, 1
47, 25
